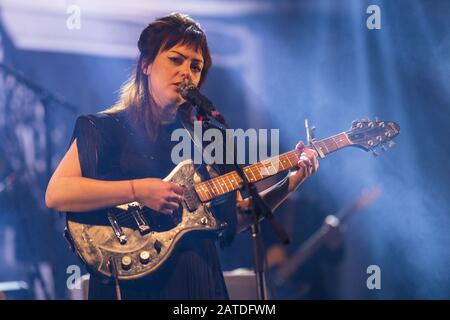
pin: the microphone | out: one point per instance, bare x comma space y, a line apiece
204, 106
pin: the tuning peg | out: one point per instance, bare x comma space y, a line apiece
357, 124
375, 153
390, 144
371, 124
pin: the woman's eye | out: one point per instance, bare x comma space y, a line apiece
175, 59
196, 68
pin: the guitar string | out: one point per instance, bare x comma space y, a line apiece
210, 184
221, 180
255, 168
128, 216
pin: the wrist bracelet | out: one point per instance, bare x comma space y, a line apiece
132, 189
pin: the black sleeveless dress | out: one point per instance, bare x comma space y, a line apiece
111, 148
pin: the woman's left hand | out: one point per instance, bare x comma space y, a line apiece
307, 165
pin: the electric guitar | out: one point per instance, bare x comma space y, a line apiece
131, 241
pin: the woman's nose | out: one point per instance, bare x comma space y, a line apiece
186, 71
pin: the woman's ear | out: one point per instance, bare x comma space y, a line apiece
146, 69
145, 66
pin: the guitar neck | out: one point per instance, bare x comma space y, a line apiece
232, 181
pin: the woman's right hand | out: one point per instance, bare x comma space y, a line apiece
158, 195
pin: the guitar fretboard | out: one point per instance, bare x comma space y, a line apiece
333, 143
210, 189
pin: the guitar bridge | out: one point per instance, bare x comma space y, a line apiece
142, 224
116, 228
191, 199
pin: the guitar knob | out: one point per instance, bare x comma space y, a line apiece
379, 138
382, 124
204, 220
157, 245
126, 262
370, 143
144, 257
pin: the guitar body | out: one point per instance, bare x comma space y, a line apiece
143, 239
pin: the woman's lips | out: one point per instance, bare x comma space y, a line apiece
177, 87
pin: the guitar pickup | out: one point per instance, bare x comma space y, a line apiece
116, 228
142, 224
191, 199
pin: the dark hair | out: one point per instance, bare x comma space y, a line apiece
160, 35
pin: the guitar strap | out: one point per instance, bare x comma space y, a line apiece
187, 120
224, 209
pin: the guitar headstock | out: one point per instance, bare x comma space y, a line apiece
371, 135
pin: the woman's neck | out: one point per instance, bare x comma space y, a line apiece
168, 115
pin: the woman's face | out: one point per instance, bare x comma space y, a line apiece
168, 70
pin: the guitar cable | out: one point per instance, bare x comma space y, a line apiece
113, 269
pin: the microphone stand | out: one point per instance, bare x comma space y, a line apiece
258, 208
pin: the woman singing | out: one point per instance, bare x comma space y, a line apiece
120, 156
